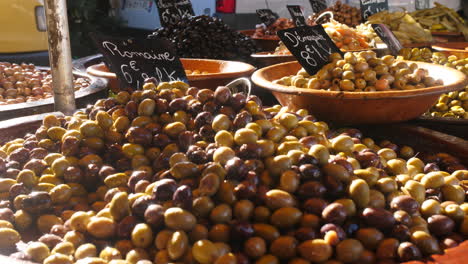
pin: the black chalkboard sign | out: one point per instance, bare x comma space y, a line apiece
171, 11
184, 7
297, 15
387, 36
134, 60
318, 5
370, 7
310, 45
267, 16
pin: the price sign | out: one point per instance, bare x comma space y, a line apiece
134, 60
318, 5
267, 16
171, 11
184, 7
297, 15
311, 46
370, 7
387, 36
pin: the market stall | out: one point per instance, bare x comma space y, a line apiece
177, 166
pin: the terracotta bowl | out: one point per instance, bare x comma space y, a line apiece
220, 72
359, 107
459, 49
89, 95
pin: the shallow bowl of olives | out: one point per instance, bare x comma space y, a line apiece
459, 49
25, 93
359, 107
201, 72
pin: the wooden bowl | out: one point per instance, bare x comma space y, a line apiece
359, 107
459, 49
268, 43
96, 90
220, 72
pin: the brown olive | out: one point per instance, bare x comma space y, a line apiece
334, 213
284, 247
316, 250
349, 250
379, 218
405, 203
440, 225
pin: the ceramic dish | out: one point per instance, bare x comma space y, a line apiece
359, 107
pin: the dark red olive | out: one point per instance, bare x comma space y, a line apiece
164, 190
334, 213
378, 218
405, 203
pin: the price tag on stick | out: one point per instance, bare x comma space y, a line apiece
311, 46
370, 7
134, 60
171, 11
318, 5
267, 16
387, 36
297, 15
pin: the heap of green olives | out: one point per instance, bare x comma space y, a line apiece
363, 72
177, 174
453, 104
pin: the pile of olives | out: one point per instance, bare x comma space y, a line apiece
263, 31
177, 174
453, 104
206, 37
343, 13
21, 83
415, 54
363, 72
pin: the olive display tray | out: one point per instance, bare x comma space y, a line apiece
96, 90
421, 139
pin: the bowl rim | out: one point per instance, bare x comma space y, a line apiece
95, 69
248, 69
269, 54
445, 47
461, 78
